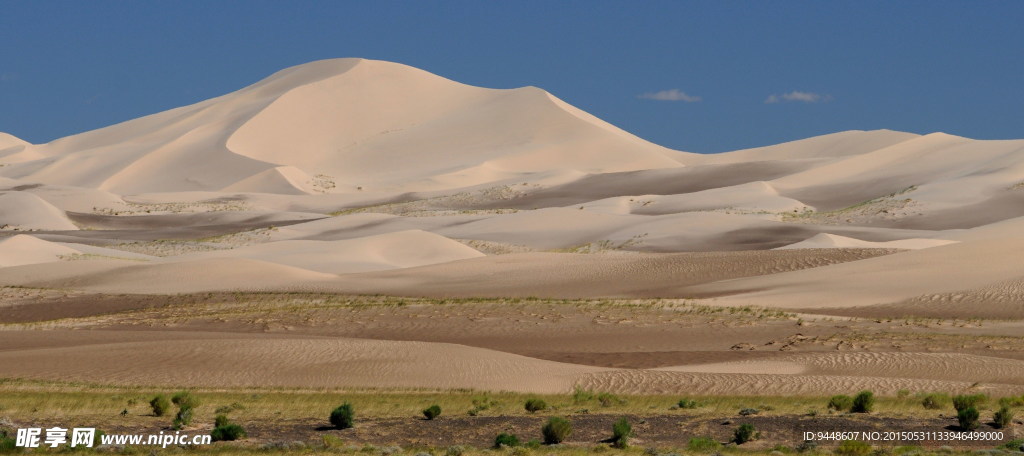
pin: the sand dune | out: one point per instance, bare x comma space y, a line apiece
893, 278
835, 145
826, 241
374, 253
366, 177
24, 249
294, 362
343, 118
27, 211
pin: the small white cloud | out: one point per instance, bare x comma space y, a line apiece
670, 95
796, 95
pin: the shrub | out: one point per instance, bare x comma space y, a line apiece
685, 403
745, 433
182, 418
967, 418
503, 439
608, 399
863, 402
534, 405
7, 443
621, 432
853, 448
840, 402
454, 450
432, 412
228, 431
556, 430
806, 446
1003, 417
581, 395
1014, 444
703, 444
965, 401
343, 416
184, 400
220, 420
749, 411
934, 401
160, 405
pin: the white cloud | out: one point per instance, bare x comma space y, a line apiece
670, 95
796, 95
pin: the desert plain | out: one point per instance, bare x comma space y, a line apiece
363, 226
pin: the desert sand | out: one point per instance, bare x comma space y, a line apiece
356, 178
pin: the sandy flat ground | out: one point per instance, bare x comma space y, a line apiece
355, 223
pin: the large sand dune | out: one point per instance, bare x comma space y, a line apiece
366, 177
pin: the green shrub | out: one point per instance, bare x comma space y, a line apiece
535, 405
965, 401
1003, 417
185, 399
7, 443
853, 448
343, 416
556, 430
580, 395
685, 403
227, 431
840, 402
863, 402
1014, 444
745, 433
608, 399
934, 401
160, 405
967, 418
621, 432
1011, 401
220, 420
703, 444
432, 412
182, 418
503, 439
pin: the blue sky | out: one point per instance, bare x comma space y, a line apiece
696, 76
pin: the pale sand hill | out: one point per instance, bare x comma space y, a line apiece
753, 197
8, 140
120, 275
27, 211
24, 249
943, 269
358, 122
835, 145
966, 171
402, 249
832, 241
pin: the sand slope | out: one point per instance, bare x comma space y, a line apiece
24, 249
374, 253
27, 211
356, 123
826, 241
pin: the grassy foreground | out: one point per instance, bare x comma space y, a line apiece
391, 423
